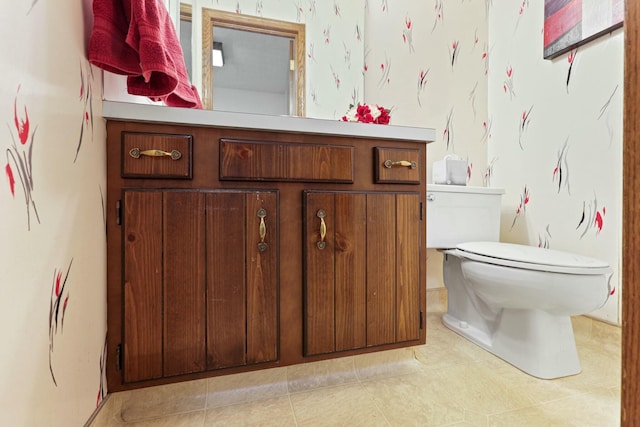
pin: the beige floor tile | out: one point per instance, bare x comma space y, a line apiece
109, 412
446, 348
163, 400
477, 387
246, 387
324, 373
600, 366
472, 418
449, 381
582, 327
189, 419
596, 408
415, 400
268, 412
436, 300
603, 330
465, 424
387, 364
346, 405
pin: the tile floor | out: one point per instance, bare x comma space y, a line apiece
447, 382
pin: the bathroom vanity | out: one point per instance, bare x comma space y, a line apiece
240, 242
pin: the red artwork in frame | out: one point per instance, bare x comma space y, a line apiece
571, 23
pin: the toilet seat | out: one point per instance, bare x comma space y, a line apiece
530, 258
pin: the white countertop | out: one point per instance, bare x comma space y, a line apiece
186, 116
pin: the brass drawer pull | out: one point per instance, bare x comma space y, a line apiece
136, 153
389, 164
323, 229
262, 213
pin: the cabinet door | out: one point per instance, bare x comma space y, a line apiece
164, 304
200, 281
362, 280
242, 297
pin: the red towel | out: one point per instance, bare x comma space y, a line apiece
138, 39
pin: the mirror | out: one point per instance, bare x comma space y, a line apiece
332, 49
262, 68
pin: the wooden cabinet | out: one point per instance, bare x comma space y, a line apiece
362, 271
233, 249
200, 285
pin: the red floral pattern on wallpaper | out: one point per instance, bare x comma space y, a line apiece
422, 83
439, 8
86, 94
544, 238
571, 59
488, 172
453, 52
522, 207
57, 310
19, 158
407, 34
592, 217
525, 121
508, 85
385, 70
561, 170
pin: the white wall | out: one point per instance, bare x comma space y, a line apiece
52, 92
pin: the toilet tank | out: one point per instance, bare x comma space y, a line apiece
459, 213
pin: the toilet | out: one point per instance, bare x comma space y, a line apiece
515, 301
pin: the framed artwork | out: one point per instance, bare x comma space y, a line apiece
571, 23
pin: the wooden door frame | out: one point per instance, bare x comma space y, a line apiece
630, 390
292, 30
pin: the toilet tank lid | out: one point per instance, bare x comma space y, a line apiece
441, 188
532, 255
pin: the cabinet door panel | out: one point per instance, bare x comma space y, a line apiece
242, 309
262, 281
408, 268
381, 274
319, 270
350, 271
184, 275
142, 285
363, 288
226, 331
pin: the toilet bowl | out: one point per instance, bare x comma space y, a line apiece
515, 301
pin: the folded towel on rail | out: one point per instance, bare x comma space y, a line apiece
138, 39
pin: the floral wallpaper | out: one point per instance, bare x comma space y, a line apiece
52, 233
430, 66
548, 131
556, 139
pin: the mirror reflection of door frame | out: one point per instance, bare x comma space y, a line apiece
256, 24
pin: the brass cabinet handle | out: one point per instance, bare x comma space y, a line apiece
323, 229
136, 153
262, 229
405, 163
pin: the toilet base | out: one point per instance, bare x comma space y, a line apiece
534, 341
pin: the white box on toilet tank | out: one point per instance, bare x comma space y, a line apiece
457, 214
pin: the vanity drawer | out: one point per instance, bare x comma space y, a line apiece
397, 165
152, 155
282, 161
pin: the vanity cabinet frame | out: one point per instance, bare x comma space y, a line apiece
345, 168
